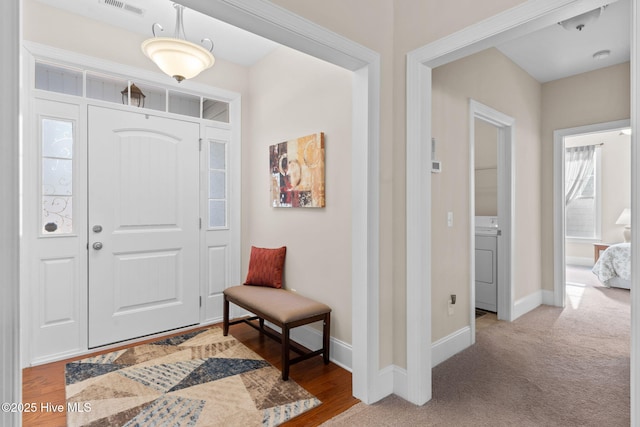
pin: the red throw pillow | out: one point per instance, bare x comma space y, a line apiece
266, 267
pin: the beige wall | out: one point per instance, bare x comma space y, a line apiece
486, 168
615, 194
294, 95
370, 23
595, 97
393, 28
494, 80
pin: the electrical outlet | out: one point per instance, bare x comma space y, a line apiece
450, 308
450, 219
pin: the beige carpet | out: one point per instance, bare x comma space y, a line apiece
551, 367
197, 379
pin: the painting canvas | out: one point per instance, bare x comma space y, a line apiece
297, 172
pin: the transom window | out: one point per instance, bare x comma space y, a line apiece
77, 82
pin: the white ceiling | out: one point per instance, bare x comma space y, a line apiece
548, 54
554, 53
230, 43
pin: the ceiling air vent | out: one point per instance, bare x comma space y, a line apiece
123, 5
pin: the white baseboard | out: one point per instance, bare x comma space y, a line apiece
391, 380
452, 344
548, 298
574, 260
400, 382
340, 352
532, 301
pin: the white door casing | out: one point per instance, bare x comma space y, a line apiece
506, 210
143, 224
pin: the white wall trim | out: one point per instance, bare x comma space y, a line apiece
450, 345
10, 36
517, 21
635, 212
264, 18
400, 386
528, 303
559, 257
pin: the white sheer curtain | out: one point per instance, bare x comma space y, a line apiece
579, 164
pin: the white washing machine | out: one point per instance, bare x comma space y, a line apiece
486, 254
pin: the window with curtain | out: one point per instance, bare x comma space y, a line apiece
581, 192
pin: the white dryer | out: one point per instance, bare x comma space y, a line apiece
486, 254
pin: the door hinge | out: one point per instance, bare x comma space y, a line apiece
200, 223
200, 301
200, 144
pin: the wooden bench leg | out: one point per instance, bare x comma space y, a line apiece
285, 353
225, 317
326, 335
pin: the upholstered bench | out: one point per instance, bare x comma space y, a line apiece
285, 309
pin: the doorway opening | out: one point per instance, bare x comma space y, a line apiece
592, 193
491, 215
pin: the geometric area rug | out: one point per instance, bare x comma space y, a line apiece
197, 379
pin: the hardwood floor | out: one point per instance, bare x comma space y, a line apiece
44, 385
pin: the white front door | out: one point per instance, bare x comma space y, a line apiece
143, 224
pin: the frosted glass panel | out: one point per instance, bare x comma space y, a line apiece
217, 155
57, 215
57, 139
217, 213
57, 176
217, 185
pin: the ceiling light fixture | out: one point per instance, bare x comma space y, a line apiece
581, 21
176, 56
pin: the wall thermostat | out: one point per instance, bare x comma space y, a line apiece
436, 166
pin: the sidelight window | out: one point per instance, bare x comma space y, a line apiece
217, 184
57, 176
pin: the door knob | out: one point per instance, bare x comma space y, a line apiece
97, 246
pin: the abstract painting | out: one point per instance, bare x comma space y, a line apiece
297, 172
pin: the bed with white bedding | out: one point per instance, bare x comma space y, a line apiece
614, 266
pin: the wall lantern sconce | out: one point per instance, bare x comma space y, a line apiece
136, 95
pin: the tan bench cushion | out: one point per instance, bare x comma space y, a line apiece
278, 304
